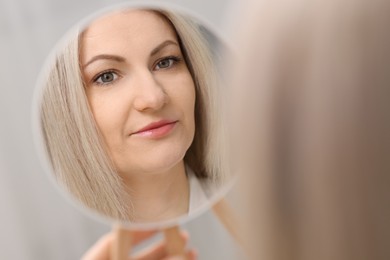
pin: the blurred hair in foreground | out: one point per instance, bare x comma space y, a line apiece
312, 88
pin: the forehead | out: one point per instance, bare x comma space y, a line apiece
126, 29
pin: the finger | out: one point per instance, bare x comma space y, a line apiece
192, 255
100, 250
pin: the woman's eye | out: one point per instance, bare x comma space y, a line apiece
106, 77
165, 63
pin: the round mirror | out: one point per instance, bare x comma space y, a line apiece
129, 116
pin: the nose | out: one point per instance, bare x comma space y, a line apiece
150, 94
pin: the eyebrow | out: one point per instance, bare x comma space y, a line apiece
121, 59
105, 57
162, 46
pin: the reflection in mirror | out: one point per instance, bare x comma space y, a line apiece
130, 116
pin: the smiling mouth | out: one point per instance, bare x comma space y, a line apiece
156, 130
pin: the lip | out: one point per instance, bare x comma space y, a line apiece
156, 129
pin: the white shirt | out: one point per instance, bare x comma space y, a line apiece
197, 195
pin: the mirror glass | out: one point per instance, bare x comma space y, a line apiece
129, 116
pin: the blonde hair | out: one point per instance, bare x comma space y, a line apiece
76, 150
319, 74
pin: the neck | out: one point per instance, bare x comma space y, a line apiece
159, 196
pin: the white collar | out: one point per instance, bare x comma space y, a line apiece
197, 195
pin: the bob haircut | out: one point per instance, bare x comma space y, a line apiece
75, 147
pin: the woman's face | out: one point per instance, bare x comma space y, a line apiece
140, 90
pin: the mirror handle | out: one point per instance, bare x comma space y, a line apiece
225, 214
175, 241
121, 244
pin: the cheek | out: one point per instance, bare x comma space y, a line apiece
188, 105
108, 114
188, 99
183, 97
190, 110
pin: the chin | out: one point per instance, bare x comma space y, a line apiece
155, 161
161, 160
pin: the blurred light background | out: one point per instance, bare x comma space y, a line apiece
36, 221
